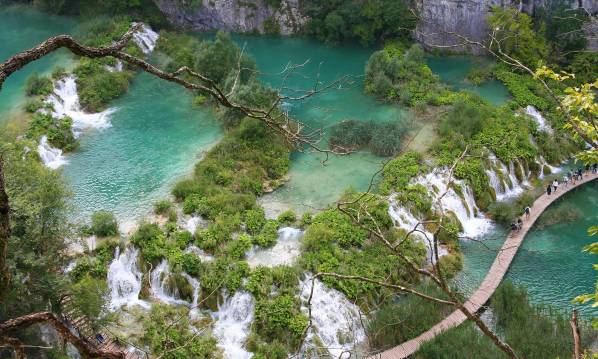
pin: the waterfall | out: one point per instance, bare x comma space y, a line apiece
161, 289
65, 102
539, 119
124, 279
284, 252
192, 224
146, 39
194, 313
337, 322
474, 224
233, 319
50, 156
203, 256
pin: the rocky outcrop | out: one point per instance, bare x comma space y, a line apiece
444, 23
234, 15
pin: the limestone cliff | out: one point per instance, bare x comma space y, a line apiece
234, 15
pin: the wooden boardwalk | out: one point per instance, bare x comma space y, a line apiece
79, 323
491, 281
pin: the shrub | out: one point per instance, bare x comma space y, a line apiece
280, 318
255, 220
287, 217
268, 235
152, 242
104, 224
88, 296
38, 85
501, 212
162, 207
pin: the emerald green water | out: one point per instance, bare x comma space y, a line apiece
156, 137
550, 263
22, 28
453, 70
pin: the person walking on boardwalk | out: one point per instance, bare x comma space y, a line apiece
595, 168
580, 173
566, 181
527, 211
519, 224
555, 184
572, 176
549, 190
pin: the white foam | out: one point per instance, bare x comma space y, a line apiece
233, 319
146, 39
337, 321
539, 119
124, 280
160, 288
65, 102
50, 156
284, 252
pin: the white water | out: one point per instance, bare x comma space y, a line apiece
124, 280
50, 156
473, 225
203, 256
194, 313
65, 102
233, 319
146, 39
284, 252
192, 224
337, 321
505, 189
160, 288
540, 120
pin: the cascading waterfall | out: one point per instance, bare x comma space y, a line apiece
337, 322
539, 119
233, 319
146, 38
402, 218
194, 313
284, 252
65, 102
474, 224
50, 156
124, 280
192, 224
159, 283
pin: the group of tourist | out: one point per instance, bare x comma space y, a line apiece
570, 177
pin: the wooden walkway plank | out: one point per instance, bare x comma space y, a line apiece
495, 275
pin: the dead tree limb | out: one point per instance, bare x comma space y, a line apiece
4, 234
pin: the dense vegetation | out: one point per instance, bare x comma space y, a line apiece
382, 139
368, 22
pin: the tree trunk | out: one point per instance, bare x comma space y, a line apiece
4, 234
576, 335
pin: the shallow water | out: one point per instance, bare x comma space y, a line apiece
22, 28
155, 138
550, 263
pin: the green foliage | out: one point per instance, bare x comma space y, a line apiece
368, 22
152, 242
515, 33
479, 75
451, 264
39, 202
58, 131
237, 248
398, 322
38, 85
271, 26
104, 224
268, 235
383, 139
96, 263
399, 171
255, 220
280, 318
167, 327
287, 217
334, 243
162, 207
584, 65
561, 25
88, 295
97, 86
501, 212
223, 273
524, 88
398, 75
281, 280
